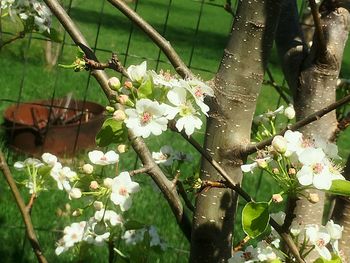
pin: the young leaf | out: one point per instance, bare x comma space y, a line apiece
340, 187
255, 218
146, 89
335, 259
132, 224
112, 131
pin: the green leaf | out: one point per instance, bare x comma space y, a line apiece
340, 187
335, 259
112, 131
146, 88
255, 218
132, 225
54, 35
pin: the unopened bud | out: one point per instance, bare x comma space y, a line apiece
261, 163
275, 171
119, 115
277, 198
98, 205
279, 143
94, 185
114, 83
77, 212
289, 112
128, 84
313, 198
124, 100
88, 168
110, 109
108, 182
75, 193
292, 171
121, 148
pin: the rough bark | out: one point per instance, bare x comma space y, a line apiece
317, 84
237, 86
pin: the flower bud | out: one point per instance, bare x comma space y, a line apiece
75, 193
98, 205
114, 83
261, 163
292, 171
94, 185
119, 115
123, 99
289, 112
121, 148
128, 84
279, 143
110, 109
275, 171
77, 212
88, 168
108, 182
277, 198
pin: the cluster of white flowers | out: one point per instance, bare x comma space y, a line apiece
134, 236
167, 155
183, 101
29, 10
95, 231
263, 252
324, 239
313, 161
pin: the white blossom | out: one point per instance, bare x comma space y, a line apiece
100, 158
122, 187
137, 73
189, 119
247, 256
319, 237
72, 234
289, 112
165, 156
49, 159
147, 118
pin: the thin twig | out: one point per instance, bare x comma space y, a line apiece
142, 170
184, 196
80, 40
278, 88
157, 38
20, 35
113, 64
252, 148
23, 209
30, 204
318, 28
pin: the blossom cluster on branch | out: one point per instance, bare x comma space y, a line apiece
34, 14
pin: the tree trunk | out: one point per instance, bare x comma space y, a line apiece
316, 88
237, 86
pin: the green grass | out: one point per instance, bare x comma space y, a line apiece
24, 74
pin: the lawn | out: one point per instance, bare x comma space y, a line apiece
25, 76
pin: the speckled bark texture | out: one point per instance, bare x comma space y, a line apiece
315, 88
237, 86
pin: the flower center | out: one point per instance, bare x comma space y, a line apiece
123, 191
103, 158
318, 167
321, 243
198, 92
146, 118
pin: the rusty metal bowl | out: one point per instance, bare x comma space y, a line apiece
60, 127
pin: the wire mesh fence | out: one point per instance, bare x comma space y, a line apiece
31, 76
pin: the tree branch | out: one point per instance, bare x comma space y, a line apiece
138, 144
80, 40
23, 209
160, 41
318, 29
252, 148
